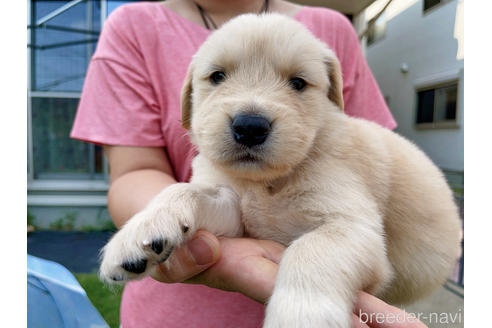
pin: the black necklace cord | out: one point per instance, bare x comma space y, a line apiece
206, 18
265, 8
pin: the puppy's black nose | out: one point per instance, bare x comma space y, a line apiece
250, 130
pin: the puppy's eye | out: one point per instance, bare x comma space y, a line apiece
297, 83
217, 77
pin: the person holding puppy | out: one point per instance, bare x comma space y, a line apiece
130, 104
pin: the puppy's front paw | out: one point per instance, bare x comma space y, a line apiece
147, 239
298, 310
170, 219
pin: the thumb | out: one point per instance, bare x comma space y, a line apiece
202, 251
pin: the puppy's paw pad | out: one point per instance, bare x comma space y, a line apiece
137, 267
157, 245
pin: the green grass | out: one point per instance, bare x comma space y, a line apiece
459, 191
107, 301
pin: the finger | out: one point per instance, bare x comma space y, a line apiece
202, 251
257, 274
246, 265
257, 278
272, 250
378, 314
253, 277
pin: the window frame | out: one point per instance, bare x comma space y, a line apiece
58, 184
451, 124
373, 27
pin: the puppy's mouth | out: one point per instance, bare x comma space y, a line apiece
247, 158
241, 155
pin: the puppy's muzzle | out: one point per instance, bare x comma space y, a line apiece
250, 130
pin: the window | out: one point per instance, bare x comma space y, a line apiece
55, 155
62, 46
377, 30
437, 106
429, 4
63, 37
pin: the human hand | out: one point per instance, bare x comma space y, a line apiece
243, 265
250, 266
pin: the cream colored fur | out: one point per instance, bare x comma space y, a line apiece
359, 207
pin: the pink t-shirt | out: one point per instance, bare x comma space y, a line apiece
131, 98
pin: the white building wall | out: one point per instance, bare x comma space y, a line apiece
431, 44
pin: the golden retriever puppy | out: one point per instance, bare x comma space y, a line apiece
359, 207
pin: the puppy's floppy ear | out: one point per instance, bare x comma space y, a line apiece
186, 101
335, 94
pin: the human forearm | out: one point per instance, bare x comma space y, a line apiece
130, 192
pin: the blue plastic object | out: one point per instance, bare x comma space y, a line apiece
56, 299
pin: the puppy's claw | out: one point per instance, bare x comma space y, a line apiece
117, 278
166, 255
138, 266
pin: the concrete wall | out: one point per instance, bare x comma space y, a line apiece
431, 44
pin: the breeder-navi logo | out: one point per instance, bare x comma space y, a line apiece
408, 317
